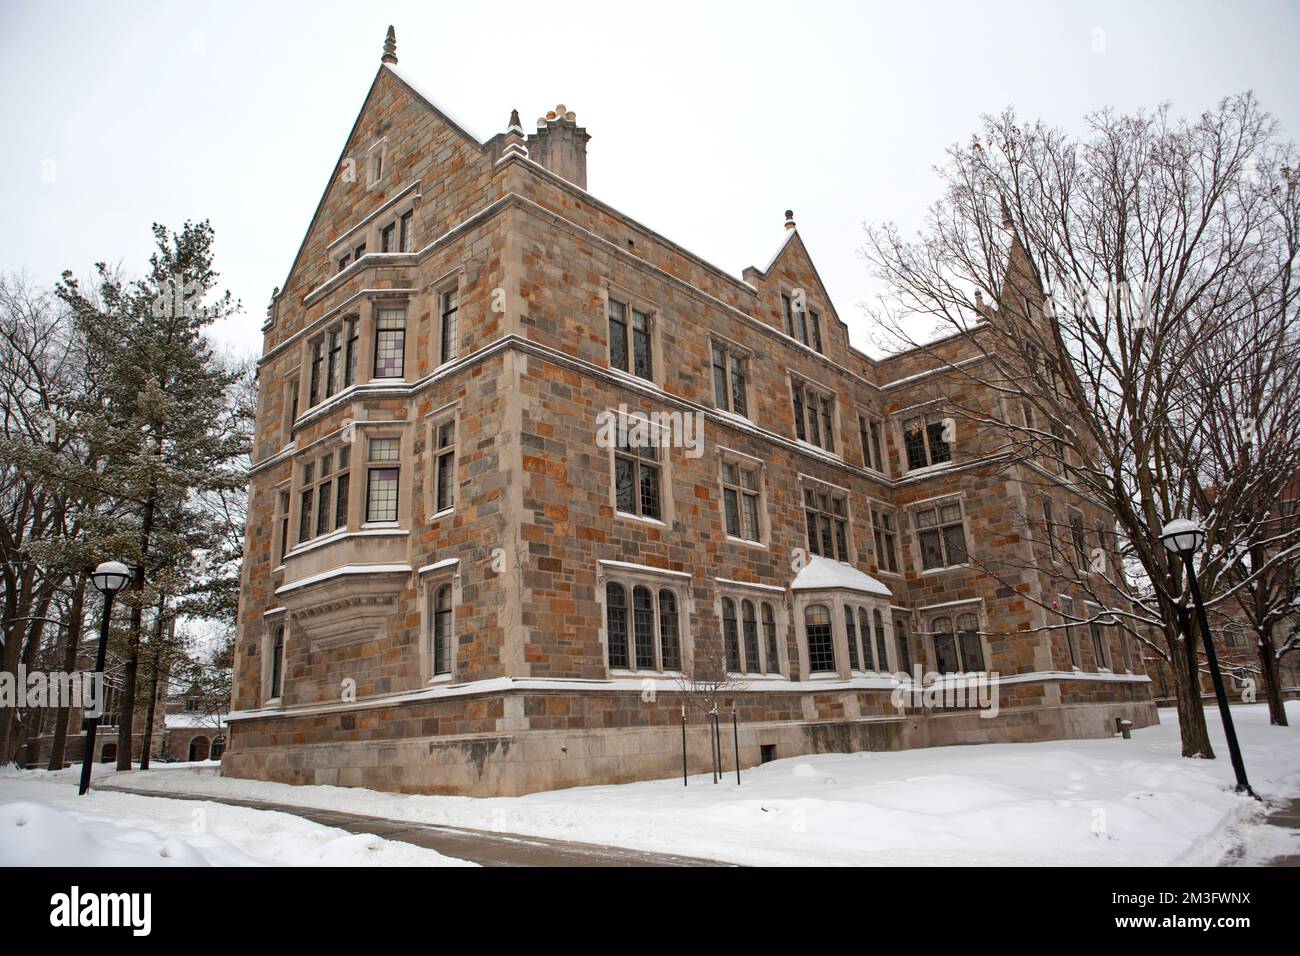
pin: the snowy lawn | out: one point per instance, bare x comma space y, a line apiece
45, 825
1075, 802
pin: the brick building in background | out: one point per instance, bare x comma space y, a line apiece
453, 584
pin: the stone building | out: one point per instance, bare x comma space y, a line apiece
459, 578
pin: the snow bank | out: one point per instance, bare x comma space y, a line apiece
44, 826
1070, 803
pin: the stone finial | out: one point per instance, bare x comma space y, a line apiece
1007, 224
514, 143
515, 123
390, 47
789, 219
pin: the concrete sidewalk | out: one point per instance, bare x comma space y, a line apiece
485, 847
1288, 817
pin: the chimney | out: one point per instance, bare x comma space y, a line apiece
560, 145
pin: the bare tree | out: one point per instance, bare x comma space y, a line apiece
1138, 340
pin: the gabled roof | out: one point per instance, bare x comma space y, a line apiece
823, 574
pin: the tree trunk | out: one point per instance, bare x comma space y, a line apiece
132, 666
1183, 661
155, 670
14, 629
75, 615
1268, 666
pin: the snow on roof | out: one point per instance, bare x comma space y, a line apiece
823, 574
189, 721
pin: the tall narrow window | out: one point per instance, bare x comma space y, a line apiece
945, 646
787, 312
1076, 536
359, 251
317, 357
382, 479
886, 537
669, 631
868, 662
284, 525
942, 536
749, 625
903, 646
1099, 644
851, 632
821, 643
1050, 525
344, 260
445, 467
643, 627
730, 636
869, 431
441, 651
740, 501
449, 325
350, 351
293, 407
882, 649
305, 502
341, 488
387, 236
405, 237
323, 492
617, 335
616, 624
636, 473
332, 369
277, 660
390, 343
815, 327
769, 638
968, 636
641, 363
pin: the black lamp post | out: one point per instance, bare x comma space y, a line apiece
109, 578
1184, 538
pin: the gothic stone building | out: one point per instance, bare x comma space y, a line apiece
452, 584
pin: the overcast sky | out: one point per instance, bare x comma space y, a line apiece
708, 119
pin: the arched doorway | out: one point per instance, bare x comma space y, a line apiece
108, 753
199, 748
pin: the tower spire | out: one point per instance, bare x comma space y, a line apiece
390, 47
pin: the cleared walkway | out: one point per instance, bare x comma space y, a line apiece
485, 847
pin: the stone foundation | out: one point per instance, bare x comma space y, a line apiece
350, 749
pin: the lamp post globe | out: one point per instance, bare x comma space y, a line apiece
108, 578
1182, 536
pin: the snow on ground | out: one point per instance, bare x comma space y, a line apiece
1073, 802
44, 825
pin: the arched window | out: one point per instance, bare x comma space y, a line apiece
277, 660
441, 649
821, 645
753, 664
945, 646
643, 627
865, 631
972, 651
769, 636
851, 632
730, 636
651, 623
616, 624
904, 649
669, 631
882, 649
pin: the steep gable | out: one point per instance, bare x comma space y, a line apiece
425, 153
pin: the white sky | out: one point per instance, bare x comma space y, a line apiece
708, 119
